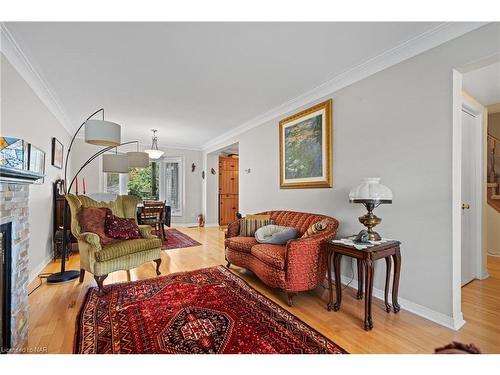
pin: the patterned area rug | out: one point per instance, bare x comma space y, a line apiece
177, 240
210, 310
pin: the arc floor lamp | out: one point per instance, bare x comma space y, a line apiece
101, 133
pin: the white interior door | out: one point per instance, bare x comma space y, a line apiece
469, 176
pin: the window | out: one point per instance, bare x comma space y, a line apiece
112, 183
172, 184
115, 183
144, 183
162, 180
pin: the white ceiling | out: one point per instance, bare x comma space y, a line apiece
195, 81
484, 84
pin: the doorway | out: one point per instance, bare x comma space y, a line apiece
475, 89
228, 188
222, 181
472, 205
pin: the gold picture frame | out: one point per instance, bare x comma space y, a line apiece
306, 148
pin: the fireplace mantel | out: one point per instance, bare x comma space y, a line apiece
18, 176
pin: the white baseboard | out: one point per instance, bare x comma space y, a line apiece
39, 268
211, 225
414, 308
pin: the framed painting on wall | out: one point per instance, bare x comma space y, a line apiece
306, 148
36, 162
57, 153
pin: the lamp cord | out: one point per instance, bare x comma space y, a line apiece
40, 277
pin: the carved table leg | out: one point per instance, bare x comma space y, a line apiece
330, 284
388, 263
338, 284
395, 283
368, 324
359, 295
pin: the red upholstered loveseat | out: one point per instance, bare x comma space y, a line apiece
298, 266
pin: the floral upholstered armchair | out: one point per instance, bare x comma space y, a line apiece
100, 260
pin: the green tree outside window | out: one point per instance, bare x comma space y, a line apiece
144, 183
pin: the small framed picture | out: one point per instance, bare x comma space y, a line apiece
57, 153
36, 162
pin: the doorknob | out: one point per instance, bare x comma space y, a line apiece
465, 206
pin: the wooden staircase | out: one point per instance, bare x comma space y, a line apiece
493, 177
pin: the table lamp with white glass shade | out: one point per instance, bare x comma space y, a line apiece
371, 193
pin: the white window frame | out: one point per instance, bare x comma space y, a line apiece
163, 165
123, 183
123, 179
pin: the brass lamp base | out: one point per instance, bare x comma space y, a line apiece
369, 220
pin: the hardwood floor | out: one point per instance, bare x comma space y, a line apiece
53, 308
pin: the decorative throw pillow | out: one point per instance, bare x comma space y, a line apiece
249, 226
275, 234
121, 228
316, 227
92, 219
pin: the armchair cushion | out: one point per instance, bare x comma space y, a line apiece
121, 228
92, 219
272, 255
146, 231
243, 244
121, 248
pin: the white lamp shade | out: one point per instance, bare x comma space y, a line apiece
102, 133
138, 159
370, 189
154, 154
115, 163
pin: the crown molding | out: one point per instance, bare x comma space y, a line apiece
162, 146
13, 52
412, 47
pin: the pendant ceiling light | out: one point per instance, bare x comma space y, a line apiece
154, 153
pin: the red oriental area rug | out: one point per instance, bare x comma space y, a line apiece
176, 240
209, 310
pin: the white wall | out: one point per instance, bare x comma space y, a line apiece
24, 116
192, 180
396, 124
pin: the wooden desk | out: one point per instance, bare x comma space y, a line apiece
365, 261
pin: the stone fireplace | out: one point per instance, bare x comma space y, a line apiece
14, 215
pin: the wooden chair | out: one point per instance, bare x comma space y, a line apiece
153, 213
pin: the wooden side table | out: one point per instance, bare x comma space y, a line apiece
365, 261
